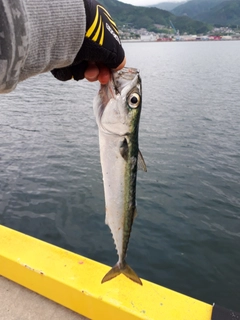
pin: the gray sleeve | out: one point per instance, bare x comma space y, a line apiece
37, 36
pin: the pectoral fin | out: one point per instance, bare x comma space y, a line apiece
141, 162
123, 148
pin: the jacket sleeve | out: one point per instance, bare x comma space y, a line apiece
38, 36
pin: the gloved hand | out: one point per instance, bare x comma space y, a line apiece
101, 44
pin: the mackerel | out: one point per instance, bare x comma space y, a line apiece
117, 109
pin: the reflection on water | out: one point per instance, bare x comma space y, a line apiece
187, 233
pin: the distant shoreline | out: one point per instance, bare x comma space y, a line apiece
173, 41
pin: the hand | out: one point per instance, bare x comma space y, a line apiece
101, 50
101, 73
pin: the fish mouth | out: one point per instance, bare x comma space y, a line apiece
122, 78
119, 80
126, 73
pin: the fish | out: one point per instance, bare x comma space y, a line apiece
117, 109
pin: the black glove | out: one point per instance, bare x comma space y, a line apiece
101, 44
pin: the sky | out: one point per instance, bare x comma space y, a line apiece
146, 2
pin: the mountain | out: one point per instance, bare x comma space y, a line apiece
168, 6
144, 17
194, 8
227, 13
217, 12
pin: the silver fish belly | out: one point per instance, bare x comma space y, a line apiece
117, 109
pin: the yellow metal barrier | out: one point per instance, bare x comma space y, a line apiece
75, 282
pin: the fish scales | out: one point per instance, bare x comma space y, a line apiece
117, 109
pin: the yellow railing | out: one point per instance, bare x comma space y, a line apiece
75, 282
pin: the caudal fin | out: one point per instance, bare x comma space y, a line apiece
124, 269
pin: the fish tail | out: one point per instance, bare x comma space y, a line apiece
123, 268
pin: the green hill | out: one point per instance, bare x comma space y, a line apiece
217, 12
144, 17
194, 8
167, 5
226, 13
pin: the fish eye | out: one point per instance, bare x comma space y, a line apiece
134, 100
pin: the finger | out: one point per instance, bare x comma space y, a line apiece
92, 72
104, 74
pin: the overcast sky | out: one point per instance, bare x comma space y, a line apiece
146, 2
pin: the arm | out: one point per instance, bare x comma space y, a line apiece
39, 36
